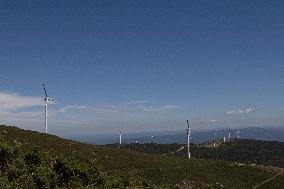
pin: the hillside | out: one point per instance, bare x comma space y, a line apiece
140, 170
248, 151
33, 169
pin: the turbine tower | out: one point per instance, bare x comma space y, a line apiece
188, 138
214, 135
46, 100
120, 134
238, 134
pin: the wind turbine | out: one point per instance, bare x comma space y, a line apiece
46, 100
188, 138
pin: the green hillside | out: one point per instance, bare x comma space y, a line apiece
34, 169
246, 151
237, 150
120, 168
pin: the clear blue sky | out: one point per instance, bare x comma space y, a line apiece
143, 65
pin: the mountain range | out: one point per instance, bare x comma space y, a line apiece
197, 137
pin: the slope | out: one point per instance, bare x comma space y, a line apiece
146, 169
237, 150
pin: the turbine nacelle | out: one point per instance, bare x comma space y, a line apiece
46, 100
188, 128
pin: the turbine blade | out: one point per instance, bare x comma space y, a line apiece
44, 90
187, 124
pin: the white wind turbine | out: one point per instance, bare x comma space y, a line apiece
46, 100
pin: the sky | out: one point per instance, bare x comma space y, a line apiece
137, 66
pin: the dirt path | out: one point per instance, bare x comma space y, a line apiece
268, 180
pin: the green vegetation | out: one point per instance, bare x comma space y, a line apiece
246, 151
237, 150
86, 166
34, 169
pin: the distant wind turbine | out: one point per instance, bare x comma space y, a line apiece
188, 138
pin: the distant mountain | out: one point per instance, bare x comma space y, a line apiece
99, 139
257, 133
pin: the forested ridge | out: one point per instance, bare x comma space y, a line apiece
237, 150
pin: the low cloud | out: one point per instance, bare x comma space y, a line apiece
135, 102
14, 101
28, 112
240, 111
168, 107
16, 109
130, 109
159, 108
68, 108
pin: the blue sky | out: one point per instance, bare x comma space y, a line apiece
142, 65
